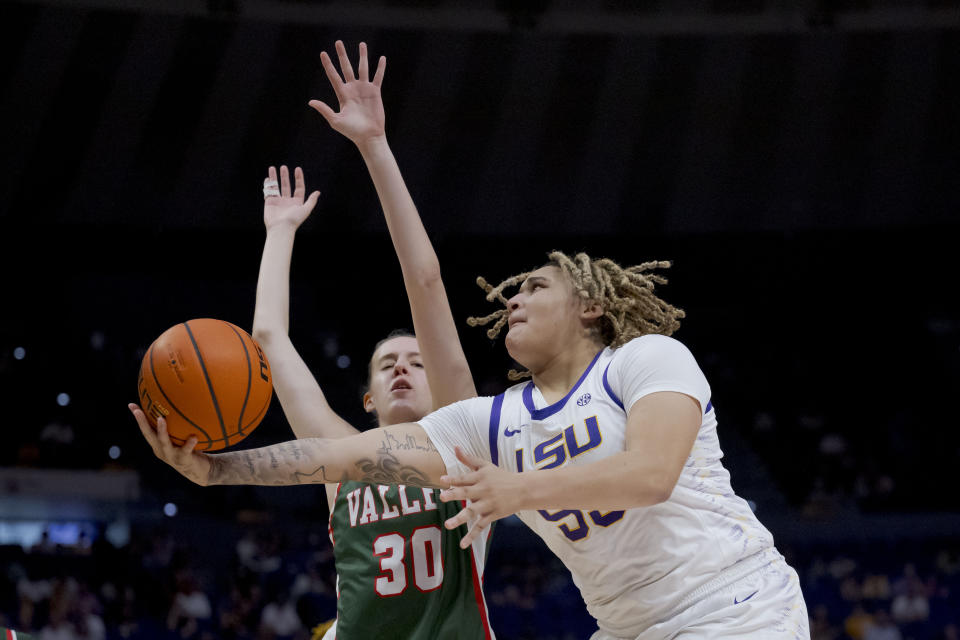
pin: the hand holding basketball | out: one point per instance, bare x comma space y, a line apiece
191, 464
209, 380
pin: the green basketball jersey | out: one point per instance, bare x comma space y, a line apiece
400, 573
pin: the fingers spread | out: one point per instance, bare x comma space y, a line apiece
463, 517
453, 494
299, 188
362, 66
459, 481
381, 68
345, 66
475, 531
335, 81
323, 109
471, 461
284, 181
270, 184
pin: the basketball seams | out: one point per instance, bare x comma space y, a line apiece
156, 381
206, 376
246, 397
256, 418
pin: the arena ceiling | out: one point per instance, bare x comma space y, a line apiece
600, 117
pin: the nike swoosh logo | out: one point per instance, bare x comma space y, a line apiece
508, 432
735, 601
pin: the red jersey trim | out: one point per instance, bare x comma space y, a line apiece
478, 590
330, 508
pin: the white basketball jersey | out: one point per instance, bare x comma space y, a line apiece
633, 566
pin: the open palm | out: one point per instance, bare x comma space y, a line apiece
286, 208
361, 115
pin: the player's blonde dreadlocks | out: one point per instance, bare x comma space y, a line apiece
630, 307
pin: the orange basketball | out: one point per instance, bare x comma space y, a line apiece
208, 378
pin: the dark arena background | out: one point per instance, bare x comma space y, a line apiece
799, 162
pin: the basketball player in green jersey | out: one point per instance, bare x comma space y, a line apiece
401, 573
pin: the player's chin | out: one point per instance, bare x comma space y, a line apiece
517, 343
404, 409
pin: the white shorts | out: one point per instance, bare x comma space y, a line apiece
766, 604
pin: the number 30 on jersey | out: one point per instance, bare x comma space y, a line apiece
426, 565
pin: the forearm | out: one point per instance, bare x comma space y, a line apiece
622, 481
287, 463
271, 314
447, 370
400, 454
417, 258
304, 403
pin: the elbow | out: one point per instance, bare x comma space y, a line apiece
264, 335
657, 490
428, 275
660, 496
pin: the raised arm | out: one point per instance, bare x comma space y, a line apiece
361, 119
398, 454
303, 402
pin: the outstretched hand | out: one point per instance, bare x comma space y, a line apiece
282, 207
493, 494
361, 116
191, 464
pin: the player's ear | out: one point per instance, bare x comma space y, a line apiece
368, 405
590, 310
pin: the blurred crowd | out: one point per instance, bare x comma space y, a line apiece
266, 588
877, 592
268, 585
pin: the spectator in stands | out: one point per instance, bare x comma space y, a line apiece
44, 545
279, 620
857, 623
913, 604
821, 628
59, 626
238, 611
190, 612
87, 610
876, 587
882, 627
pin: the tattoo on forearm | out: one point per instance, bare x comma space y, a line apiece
292, 449
409, 443
302, 462
269, 466
317, 476
388, 470
216, 470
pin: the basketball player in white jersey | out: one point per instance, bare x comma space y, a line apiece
610, 454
